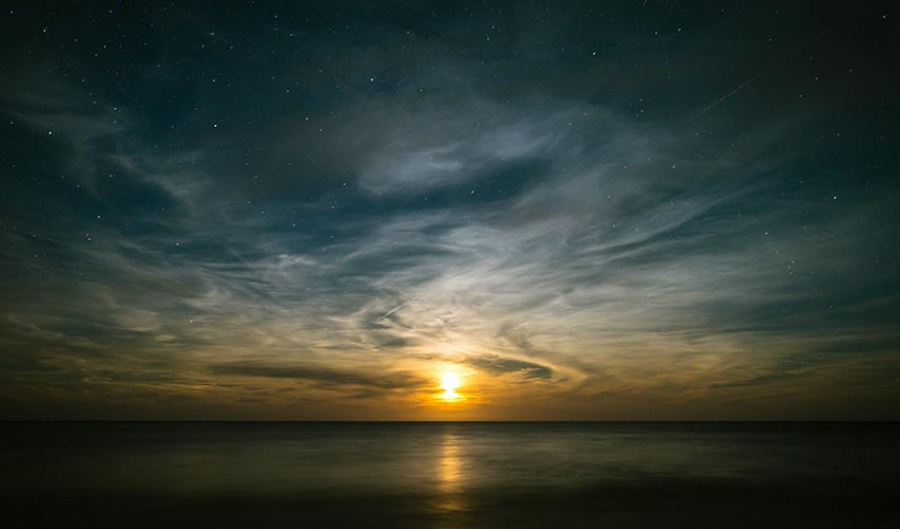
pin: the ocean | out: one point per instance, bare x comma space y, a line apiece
449, 475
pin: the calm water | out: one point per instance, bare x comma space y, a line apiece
434, 475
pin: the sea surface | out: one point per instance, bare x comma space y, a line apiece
449, 475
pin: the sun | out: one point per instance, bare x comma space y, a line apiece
449, 383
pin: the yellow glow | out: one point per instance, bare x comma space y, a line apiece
449, 383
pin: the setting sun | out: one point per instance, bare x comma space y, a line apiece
449, 383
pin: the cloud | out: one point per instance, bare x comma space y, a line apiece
497, 365
426, 151
322, 376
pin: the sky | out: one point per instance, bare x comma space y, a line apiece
319, 210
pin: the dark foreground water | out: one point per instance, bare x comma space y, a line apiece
437, 475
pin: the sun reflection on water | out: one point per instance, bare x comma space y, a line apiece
450, 475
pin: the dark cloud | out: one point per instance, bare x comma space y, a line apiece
321, 375
497, 365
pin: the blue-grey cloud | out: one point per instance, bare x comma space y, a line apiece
496, 365
320, 375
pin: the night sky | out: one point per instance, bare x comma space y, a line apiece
316, 210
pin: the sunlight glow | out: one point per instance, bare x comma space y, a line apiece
449, 383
